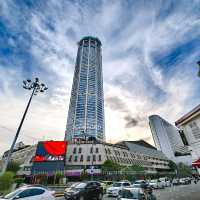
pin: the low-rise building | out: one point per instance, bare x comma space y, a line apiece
89, 156
22, 154
190, 125
92, 155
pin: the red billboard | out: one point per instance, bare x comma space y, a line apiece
50, 151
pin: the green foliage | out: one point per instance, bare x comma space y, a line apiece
6, 181
109, 165
172, 165
134, 168
19, 181
13, 167
84, 175
184, 170
59, 175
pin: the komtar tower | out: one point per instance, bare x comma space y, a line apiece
86, 109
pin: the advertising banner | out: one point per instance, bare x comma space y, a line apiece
50, 151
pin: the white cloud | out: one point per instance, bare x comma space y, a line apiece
131, 35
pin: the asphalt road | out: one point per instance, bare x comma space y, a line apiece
181, 192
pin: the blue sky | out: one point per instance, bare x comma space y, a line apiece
150, 50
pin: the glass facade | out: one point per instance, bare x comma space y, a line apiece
86, 109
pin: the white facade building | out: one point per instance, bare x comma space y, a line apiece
168, 140
86, 154
190, 124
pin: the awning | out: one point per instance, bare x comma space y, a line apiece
196, 163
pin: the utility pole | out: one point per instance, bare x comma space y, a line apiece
199, 68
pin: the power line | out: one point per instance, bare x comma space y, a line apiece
10, 130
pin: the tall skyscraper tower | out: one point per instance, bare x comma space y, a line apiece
86, 109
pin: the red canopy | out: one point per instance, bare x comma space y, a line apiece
196, 163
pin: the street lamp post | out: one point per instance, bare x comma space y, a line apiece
37, 87
199, 68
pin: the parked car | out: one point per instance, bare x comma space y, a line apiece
141, 185
84, 191
106, 185
166, 182
116, 188
130, 193
185, 181
176, 182
30, 193
156, 184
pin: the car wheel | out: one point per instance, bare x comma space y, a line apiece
100, 197
81, 198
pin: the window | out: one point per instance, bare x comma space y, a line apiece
70, 159
75, 158
81, 159
94, 157
106, 151
88, 158
126, 184
80, 150
35, 192
99, 157
74, 151
97, 150
31, 192
91, 150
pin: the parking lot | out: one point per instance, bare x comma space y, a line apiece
181, 192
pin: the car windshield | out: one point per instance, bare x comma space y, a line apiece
136, 185
117, 184
138, 182
129, 194
12, 194
80, 185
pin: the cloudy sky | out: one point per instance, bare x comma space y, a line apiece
150, 50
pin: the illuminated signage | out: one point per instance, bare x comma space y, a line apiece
50, 151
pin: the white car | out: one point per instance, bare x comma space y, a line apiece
30, 193
156, 184
116, 188
165, 181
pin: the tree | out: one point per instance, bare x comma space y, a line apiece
109, 165
6, 181
134, 168
13, 167
19, 181
172, 165
84, 175
184, 170
132, 172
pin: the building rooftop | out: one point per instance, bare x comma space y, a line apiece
188, 115
90, 37
143, 143
144, 148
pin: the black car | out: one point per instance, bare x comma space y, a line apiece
84, 191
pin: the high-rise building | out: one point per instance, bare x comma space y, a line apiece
168, 140
86, 108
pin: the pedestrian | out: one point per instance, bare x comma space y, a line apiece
150, 195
